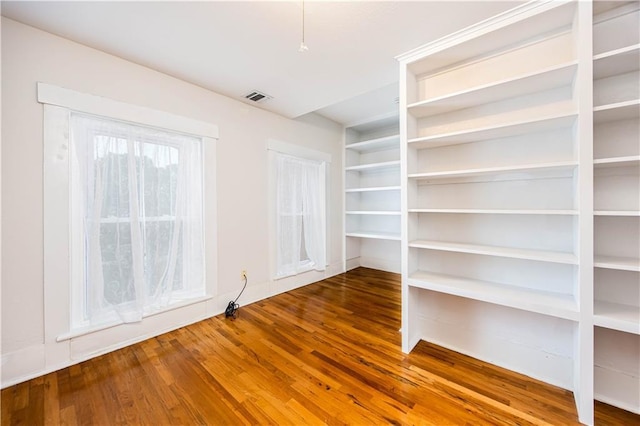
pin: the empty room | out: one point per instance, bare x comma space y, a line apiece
320, 212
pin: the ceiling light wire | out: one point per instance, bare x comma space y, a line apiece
303, 46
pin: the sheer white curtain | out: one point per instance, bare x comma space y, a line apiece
301, 215
141, 196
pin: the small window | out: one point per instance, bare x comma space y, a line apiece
138, 219
300, 215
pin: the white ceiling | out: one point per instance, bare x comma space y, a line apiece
348, 74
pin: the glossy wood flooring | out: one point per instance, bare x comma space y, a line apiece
328, 353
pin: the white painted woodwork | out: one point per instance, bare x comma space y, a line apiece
621, 263
496, 211
547, 79
521, 195
627, 109
629, 160
510, 337
617, 368
380, 235
511, 252
561, 305
374, 167
372, 194
617, 61
616, 190
497, 131
617, 316
525, 168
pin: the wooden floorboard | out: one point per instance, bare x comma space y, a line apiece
327, 353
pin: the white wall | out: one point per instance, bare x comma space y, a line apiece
30, 55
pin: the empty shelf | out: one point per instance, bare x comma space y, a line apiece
543, 302
630, 160
378, 144
496, 211
617, 316
375, 235
510, 252
374, 212
374, 167
498, 131
524, 168
617, 262
374, 189
556, 76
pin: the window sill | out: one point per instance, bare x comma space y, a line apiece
303, 269
78, 332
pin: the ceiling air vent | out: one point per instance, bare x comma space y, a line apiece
256, 96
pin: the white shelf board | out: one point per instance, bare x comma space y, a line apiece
616, 62
616, 316
630, 160
374, 235
618, 111
549, 78
494, 211
376, 123
510, 252
378, 144
617, 262
371, 167
616, 213
373, 212
602, 9
502, 130
547, 303
373, 189
543, 167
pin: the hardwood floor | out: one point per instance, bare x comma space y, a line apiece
327, 353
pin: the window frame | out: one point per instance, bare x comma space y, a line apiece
61, 247
79, 289
273, 147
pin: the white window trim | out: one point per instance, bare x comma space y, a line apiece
58, 253
298, 151
98, 105
274, 146
95, 328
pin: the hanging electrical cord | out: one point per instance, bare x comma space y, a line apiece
303, 46
232, 307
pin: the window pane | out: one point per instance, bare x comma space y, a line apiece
157, 256
115, 246
160, 179
304, 256
156, 174
111, 164
143, 210
300, 209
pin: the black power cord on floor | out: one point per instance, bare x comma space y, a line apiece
232, 307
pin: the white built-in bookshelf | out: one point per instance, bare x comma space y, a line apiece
372, 194
520, 196
616, 162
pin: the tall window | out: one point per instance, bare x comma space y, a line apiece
138, 204
300, 215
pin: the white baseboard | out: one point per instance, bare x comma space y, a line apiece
34, 361
37, 360
617, 403
352, 263
380, 264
